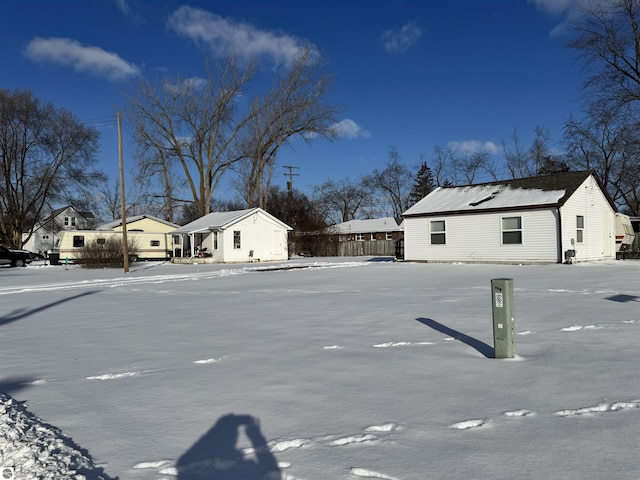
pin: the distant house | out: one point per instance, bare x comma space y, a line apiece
548, 219
46, 231
238, 236
371, 237
366, 230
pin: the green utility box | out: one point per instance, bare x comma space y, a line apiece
504, 323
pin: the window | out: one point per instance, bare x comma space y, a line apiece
66, 221
511, 230
360, 237
78, 241
73, 221
236, 239
438, 233
579, 229
373, 237
215, 240
101, 241
155, 243
69, 221
389, 236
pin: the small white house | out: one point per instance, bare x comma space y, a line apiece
238, 236
566, 217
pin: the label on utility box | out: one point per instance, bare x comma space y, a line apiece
499, 300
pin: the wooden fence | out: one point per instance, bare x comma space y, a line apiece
353, 248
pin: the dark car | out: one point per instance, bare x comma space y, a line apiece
14, 258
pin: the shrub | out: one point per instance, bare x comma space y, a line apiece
105, 253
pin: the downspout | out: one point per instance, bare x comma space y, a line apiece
560, 246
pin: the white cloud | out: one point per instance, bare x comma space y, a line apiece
347, 128
123, 6
554, 7
398, 41
224, 37
473, 146
82, 58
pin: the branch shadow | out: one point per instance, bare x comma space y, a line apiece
215, 455
21, 313
486, 350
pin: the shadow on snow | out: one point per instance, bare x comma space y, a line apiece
216, 456
486, 350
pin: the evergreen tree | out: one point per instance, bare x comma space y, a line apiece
422, 186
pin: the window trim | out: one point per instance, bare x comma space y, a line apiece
579, 228
510, 231
437, 234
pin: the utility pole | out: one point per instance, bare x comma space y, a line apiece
290, 220
125, 245
290, 175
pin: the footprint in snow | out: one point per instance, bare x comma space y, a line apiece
600, 408
575, 328
400, 344
366, 473
114, 376
467, 424
519, 413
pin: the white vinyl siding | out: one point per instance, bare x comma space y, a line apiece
598, 233
478, 238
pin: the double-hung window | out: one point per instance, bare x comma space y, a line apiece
438, 232
236, 239
511, 230
360, 237
579, 229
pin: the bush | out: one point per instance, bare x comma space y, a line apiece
105, 253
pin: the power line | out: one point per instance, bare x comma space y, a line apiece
290, 175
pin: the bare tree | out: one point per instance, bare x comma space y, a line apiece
518, 160
607, 38
294, 108
451, 167
46, 157
341, 200
394, 181
607, 141
185, 130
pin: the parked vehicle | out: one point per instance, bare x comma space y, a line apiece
14, 258
625, 235
149, 245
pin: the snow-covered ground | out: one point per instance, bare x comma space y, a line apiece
335, 369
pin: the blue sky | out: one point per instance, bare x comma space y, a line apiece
407, 74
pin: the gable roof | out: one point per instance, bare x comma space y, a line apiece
372, 225
520, 193
116, 223
216, 221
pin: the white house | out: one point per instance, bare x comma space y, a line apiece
45, 233
238, 236
547, 219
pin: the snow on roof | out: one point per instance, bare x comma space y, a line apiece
116, 223
387, 224
538, 191
221, 220
483, 197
